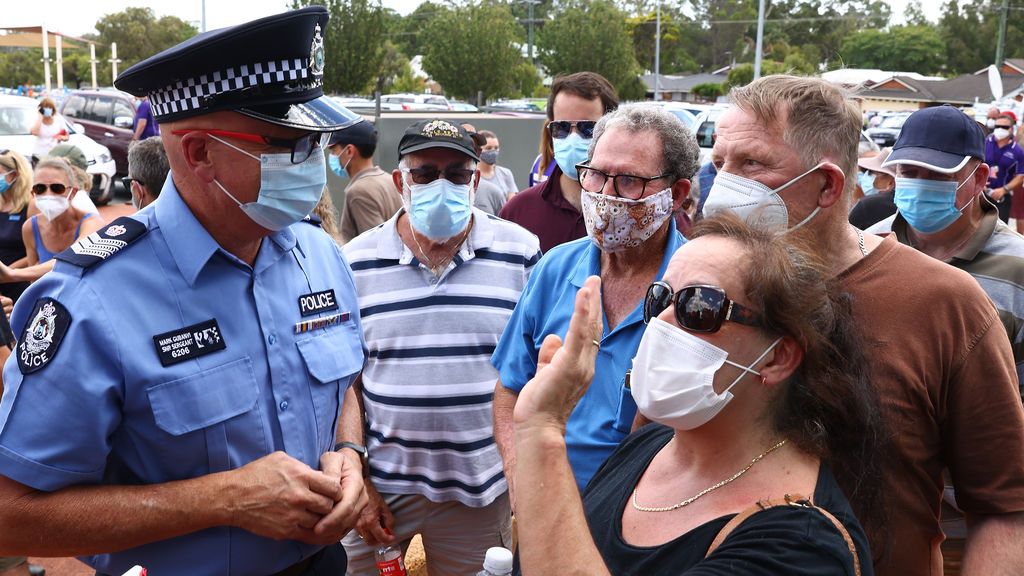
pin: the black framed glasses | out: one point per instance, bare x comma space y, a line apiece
698, 308
427, 174
626, 186
562, 128
56, 188
301, 148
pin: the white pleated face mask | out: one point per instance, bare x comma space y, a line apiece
673, 376
753, 201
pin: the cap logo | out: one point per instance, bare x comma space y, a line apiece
316, 53
437, 128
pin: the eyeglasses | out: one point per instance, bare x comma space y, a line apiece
301, 147
56, 188
698, 308
127, 182
626, 185
427, 174
561, 128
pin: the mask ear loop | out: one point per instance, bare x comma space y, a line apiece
966, 180
750, 368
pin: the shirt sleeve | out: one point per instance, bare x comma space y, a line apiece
515, 358
57, 423
361, 207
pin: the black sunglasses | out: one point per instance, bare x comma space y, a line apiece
56, 187
127, 182
626, 185
427, 174
698, 308
562, 128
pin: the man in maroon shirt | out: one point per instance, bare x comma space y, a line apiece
551, 209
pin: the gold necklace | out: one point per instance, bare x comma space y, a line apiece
693, 498
439, 267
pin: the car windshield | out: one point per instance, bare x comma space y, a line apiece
893, 122
16, 120
438, 101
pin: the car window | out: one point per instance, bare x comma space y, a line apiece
74, 106
893, 122
438, 101
101, 109
16, 120
121, 108
705, 133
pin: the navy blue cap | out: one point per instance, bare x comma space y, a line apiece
360, 133
270, 69
941, 138
436, 133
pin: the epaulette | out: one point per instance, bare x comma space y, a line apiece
103, 244
313, 219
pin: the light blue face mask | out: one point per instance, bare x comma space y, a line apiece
288, 192
929, 206
867, 183
440, 209
569, 152
4, 184
336, 167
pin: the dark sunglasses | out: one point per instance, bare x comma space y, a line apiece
562, 128
698, 308
427, 174
301, 148
56, 188
127, 182
1004, 126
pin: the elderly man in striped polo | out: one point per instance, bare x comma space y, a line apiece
436, 285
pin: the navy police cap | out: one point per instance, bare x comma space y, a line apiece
270, 69
940, 138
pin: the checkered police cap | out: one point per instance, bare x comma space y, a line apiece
270, 69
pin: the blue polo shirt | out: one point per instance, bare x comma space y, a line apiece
113, 397
605, 414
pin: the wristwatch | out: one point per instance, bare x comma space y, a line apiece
358, 449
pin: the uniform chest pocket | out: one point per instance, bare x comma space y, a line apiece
333, 358
203, 399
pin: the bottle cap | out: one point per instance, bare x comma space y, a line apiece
498, 560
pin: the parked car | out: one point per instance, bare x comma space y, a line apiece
459, 106
866, 145
705, 131
515, 106
417, 101
886, 133
18, 114
107, 117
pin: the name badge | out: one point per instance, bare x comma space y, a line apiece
318, 302
189, 342
324, 322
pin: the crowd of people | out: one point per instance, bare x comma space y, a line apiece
812, 368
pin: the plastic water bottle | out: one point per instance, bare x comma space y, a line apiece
497, 562
389, 561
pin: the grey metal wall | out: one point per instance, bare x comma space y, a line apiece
519, 137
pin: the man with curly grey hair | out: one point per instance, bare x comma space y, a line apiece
638, 173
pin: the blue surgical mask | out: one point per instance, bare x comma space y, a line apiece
4, 184
569, 152
867, 183
47, 112
288, 192
336, 167
929, 206
440, 209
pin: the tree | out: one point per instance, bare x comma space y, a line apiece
710, 90
139, 34
590, 36
408, 34
673, 58
392, 65
472, 49
901, 48
353, 43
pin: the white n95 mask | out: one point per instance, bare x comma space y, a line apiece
753, 201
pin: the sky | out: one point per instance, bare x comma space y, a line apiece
77, 17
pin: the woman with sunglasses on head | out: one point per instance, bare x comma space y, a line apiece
758, 390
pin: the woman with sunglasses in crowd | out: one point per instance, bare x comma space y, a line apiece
758, 393
15, 196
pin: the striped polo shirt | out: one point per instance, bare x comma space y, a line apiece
428, 383
994, 256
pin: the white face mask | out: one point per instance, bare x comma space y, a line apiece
673, 376
1001, 133
753, 201
52, 206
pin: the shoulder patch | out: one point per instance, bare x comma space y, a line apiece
104, 243
313, 219
42, 335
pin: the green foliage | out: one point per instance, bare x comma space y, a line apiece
589, 35
743, 74
393, 64
21, 67
405, 82
901, 48
527, 80
633, 89
353, 43
471, 49
709, 90
139, 34
408, 35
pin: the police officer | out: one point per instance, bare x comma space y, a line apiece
174, 394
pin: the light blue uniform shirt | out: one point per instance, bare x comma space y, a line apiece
605, 414
104, 410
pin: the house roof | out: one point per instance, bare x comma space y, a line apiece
963, 89
672, 83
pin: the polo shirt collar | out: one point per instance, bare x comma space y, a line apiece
589, 263
551, 192
974, 245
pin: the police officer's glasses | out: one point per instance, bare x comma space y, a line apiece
698, 308
56, 188
562, 128
427, 174
301, 147
626, 185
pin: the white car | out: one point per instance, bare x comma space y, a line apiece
18, 114
417, 102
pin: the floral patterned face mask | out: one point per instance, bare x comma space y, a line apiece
615, 224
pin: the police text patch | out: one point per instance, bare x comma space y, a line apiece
318, 302
189, 342
47, 325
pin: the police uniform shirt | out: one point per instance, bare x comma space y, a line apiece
172, 359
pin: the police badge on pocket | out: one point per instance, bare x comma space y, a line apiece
43, 335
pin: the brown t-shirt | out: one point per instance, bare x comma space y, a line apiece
945, 373
370, 200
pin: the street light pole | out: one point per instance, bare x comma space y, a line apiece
760, 39
657, 55
1000, 46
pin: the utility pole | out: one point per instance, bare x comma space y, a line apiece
46, 60
529, 21
204, 17
657, 54
760, 39
1002, 34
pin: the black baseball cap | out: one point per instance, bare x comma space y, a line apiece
270, 69
360, 133
940, 138
436, 133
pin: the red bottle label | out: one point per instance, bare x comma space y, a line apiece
391, 567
